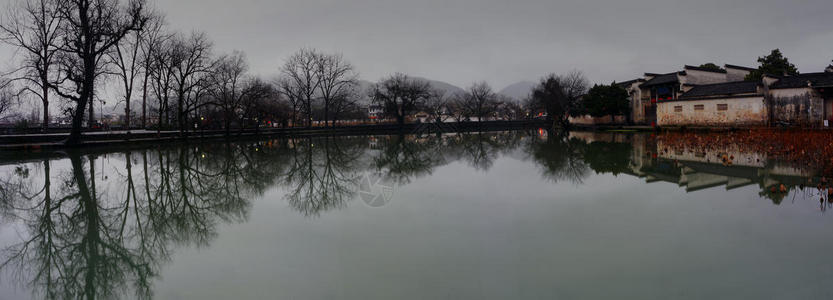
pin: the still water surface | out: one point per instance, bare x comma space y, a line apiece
507, 215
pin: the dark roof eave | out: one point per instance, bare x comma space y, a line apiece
716, 97
629, 82
661, 83
792, 87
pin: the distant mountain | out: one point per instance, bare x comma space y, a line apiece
448, 88
518, 91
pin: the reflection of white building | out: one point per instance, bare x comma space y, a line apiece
730, 166
733, 153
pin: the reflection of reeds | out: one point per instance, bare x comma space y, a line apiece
797, 147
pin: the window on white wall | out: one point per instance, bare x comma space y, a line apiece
722, 107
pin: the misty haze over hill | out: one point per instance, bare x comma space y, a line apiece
518, 91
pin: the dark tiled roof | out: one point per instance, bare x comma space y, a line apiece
728, 66
628, 83
704, 69
662, 79
729, 88
798, 81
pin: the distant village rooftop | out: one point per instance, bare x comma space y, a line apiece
720, 90
660, 79
818, 80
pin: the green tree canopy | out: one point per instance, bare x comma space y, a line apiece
605, 100
711, 66
775, 63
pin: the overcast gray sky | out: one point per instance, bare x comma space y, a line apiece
502, 42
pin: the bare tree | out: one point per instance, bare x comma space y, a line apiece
559, 96
90, 29
338, 81
400, 95
8, 99
151, 42
160, 71
292, 94
438, 105
301, 72
191, 60
260, 101
227, 86
34, 28
126, 57
509, 109
345, 104
456, 107
575, 85
480, 101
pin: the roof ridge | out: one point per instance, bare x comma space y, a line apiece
739, 81
730, 66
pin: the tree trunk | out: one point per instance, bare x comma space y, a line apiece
401, 120
294, 114
84, 100
400, 116
91, 115
77, 123
179, 113
159, 118
127, 112
145, 96
228, 127
326, 114
45, 108
309, 113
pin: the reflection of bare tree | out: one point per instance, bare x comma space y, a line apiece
323, 173
76, 247
80, 241
559, 157
404, 158
481, 150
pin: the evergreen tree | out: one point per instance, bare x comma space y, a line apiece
606, 100
711, 66
775, 64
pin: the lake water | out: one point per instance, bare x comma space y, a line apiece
507, 215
